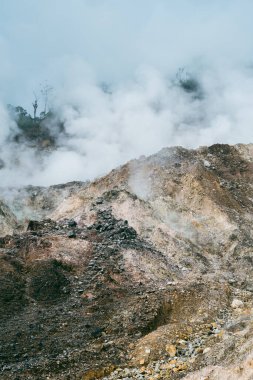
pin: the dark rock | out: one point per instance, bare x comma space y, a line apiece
72, 223
71, 234
48, 282
96, 332
35, 225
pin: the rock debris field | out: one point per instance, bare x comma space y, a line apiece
145, 273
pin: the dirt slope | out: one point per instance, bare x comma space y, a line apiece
145, 273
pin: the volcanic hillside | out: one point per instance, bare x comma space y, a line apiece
146, 273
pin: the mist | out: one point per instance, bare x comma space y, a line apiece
113, 66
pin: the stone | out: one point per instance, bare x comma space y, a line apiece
236, 303
72, 223
171, 350
71, 234
180, 367
206, 164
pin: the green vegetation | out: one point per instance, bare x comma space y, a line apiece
39, 132
189, 83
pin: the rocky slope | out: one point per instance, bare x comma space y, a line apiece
146, 273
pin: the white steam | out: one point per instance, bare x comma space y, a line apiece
107, 128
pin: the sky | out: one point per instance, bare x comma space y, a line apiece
51, 40
136, 47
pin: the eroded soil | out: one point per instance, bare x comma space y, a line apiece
145, 273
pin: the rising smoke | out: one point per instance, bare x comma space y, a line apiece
107, 126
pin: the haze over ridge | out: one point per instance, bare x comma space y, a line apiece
134, 51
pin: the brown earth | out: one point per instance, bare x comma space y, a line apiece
146, 273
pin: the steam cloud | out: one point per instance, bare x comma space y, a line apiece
91, 41
106, 127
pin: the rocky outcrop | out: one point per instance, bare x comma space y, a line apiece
8, 221
145, 273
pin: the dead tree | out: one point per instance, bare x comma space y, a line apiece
35, 106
